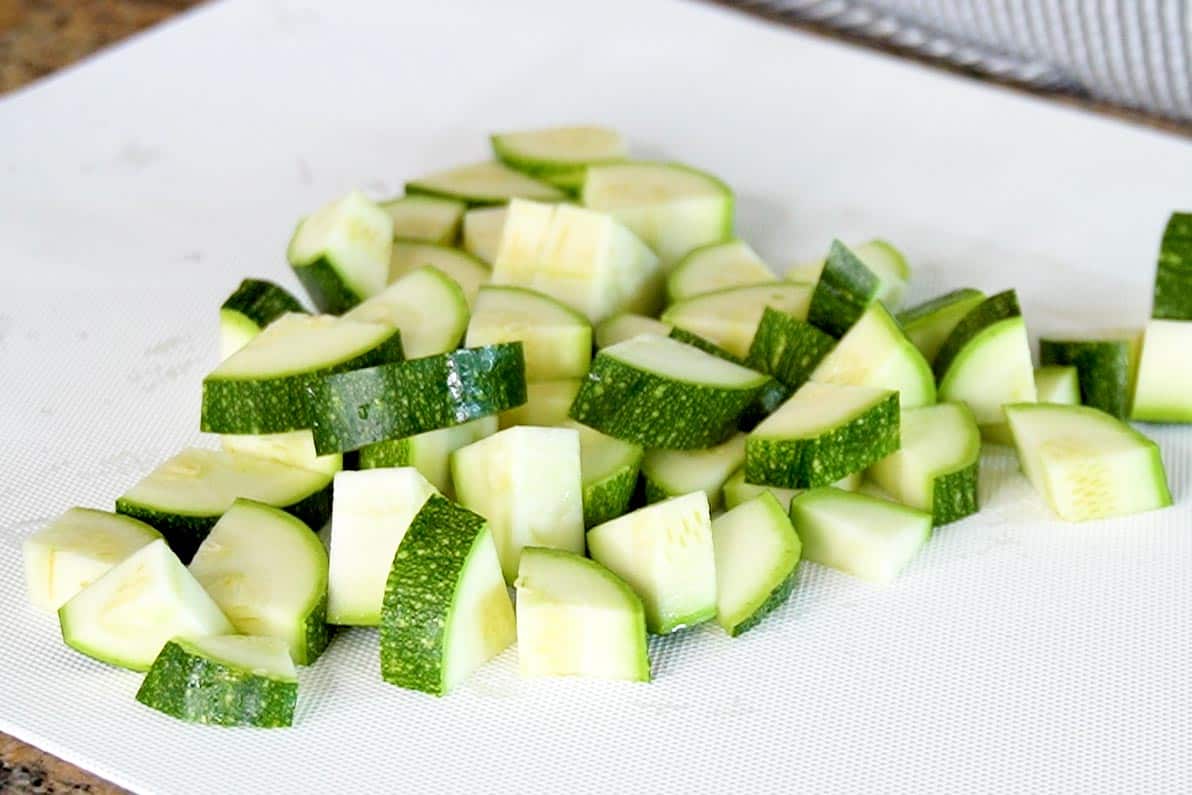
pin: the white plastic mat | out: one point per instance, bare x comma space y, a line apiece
1016, 654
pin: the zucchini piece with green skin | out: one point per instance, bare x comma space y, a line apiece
626, 326
487, 182
823, 433
1085, 463
771, 396
75, 550
1173, 275
1057, 384
558, 150
577, 618
556, 340
255, 304
446, 611
874, 352
464, 269
1106, 369
582, 258
429, 453
429, 219
223, 680
527, 482
268, 573
986, 362
665, 553
757, 555
482, 232
737, 490
928, 324
672, 207
717, 266
265, 386
882, 259
845, 289
935, 469
372, 511
673, 473
185, 496
861, 535
393, 401
729, 318
548, 403
426, 305
787, 348
127, 615
609, 468
293, 448
1163, 392
656, 392
341, 252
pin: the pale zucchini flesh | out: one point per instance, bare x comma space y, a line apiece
556, 340
341, 252
487, 182
464, 269
482, 232
757, 554
717, 267
729, 318
626, 326
552, 150
426, 305
428, 219
1163, 392
548, 403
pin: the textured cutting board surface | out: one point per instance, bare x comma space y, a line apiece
1017, 653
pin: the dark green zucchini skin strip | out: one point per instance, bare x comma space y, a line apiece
825, 459
929, 307
419, 593
845, 288
787, 348
275, 405
327, 289
954, 495
391, 401
609, 498
1173, 276
776, 599
194, 688
993, 309
261, 301
1103, 368
771, 396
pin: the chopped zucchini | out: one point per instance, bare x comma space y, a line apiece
609, 468
1057, 384
673, 473
558, 150
464, 269
293, 448
255, 304
548, 403
1106, 369
928, 324
626, 326
883, 261
556, 340
845, 289
1164, 389
341, 252
730, 318
1173, 276
429, 452
487, 182
787, 348
757, 554
717, 266
428, 219
426, 305
737, 490
482, 232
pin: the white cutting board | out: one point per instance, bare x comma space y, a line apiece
1016, 654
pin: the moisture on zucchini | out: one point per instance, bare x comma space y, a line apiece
582, 258
665, 553
223, 680
757, 555
527, 482
1173, 275
609, 468
371, 513
626, 326
861, 535
426, 305
482, 232
928, 324
737, 490
429, 219
1057, 384
1164, 389
823, 433
446, 611
268, 573
657, 392
730, 318
935, 469
717, 266
787, 348
128, 614
341, 252
265, 386
845, 289
556, 340
255, 304
874, 352
293, 448
554, 151
882, 259
75, 550
184, 497
577, 618
547, 403
672, 207
393, 401
1086, 463
429, 452
463, 268
1105, 368
673, 473
487, 182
